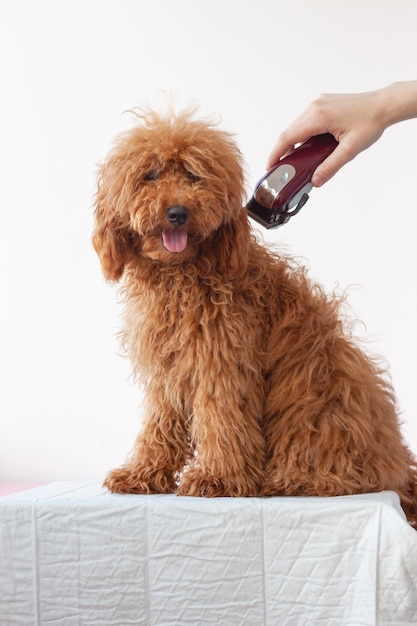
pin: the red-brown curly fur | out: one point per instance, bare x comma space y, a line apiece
254, 386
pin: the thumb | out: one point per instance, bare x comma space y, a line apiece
330, 166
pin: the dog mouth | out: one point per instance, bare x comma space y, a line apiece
174, 240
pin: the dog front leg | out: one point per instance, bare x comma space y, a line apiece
159, 455
229, 449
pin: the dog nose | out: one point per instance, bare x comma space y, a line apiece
178, 215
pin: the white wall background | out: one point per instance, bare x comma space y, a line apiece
69, 68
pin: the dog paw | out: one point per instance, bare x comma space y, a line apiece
127, 480
196, 483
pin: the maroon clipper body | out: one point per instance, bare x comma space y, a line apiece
284, 189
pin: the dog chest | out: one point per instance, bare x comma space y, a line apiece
187, 319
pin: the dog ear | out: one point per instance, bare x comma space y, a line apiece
232, 246
111, 242
112, 238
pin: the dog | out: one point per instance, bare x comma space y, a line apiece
254, 383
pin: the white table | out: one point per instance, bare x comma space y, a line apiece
72, 554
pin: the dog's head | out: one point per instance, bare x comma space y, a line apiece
171, 191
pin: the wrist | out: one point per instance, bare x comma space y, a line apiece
398, 102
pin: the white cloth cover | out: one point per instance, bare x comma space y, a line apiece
72, 554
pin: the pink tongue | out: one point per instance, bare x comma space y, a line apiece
175, 240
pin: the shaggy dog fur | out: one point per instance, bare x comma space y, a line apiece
254, 386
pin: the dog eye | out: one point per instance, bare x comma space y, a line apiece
153, 175
192, 177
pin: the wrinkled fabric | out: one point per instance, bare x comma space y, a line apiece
74, 554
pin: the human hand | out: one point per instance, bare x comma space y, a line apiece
355, 120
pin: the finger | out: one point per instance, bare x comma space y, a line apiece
286, 144
281, 149
300, 130
330, 166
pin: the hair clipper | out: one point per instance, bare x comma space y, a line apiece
284, 189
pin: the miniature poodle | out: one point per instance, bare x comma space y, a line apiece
254, 384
